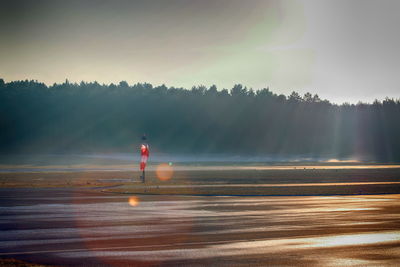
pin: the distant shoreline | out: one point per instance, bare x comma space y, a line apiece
189, 167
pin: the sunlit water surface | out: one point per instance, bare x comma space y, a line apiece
66, 227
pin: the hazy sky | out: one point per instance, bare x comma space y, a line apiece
344, 50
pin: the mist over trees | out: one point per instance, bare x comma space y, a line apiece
90, 117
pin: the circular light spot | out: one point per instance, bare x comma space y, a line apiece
133, 201
164, 172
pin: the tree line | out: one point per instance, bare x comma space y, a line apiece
93, 117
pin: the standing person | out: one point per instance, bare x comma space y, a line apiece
144, 153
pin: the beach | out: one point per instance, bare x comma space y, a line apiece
301, 217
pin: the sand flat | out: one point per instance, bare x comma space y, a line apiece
81, 227
291, 217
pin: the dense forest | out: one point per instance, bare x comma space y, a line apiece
90, 117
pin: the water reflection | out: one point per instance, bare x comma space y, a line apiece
355, 239
173, 230
235, 228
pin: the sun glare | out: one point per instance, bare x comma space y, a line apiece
133, 201
342, 161
164, 171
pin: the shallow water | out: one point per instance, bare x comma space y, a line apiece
76, 227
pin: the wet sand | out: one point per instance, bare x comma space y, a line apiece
77, 224
257, 180
77, 227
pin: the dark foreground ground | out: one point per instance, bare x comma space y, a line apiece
79, 225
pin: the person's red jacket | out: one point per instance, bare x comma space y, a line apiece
144, 152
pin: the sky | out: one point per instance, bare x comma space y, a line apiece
342, 50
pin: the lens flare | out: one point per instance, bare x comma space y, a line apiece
133, 201
164, 172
